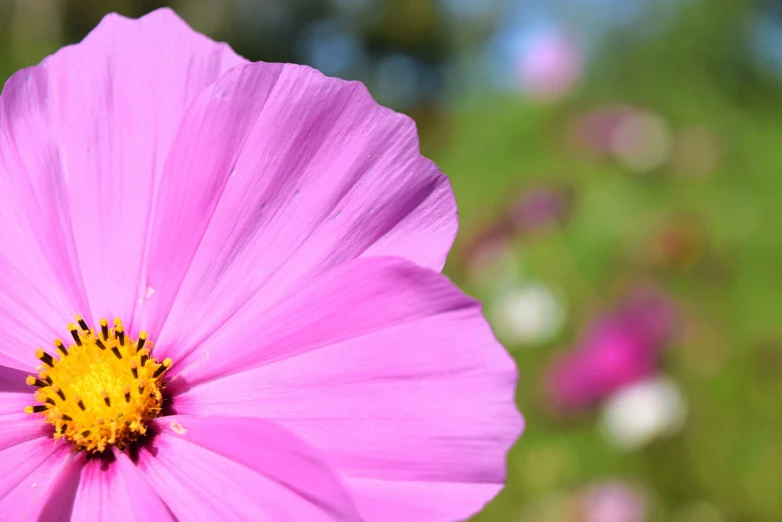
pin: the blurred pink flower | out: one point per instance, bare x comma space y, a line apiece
638, 139
596, 130
487, 246
613, 502
550, 66
617, 349
280, 237
539, 207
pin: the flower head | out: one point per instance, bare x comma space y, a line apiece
644, 411
618, 349
551, 66
613, 501
270, 241
103, 390
539, 207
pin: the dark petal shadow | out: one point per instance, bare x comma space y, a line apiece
106, 459
146, 443
13, 381
178, 385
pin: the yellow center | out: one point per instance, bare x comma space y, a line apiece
102, 390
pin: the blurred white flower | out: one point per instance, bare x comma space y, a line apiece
527, 314
642, 142
643, 412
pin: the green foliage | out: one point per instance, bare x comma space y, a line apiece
730, 363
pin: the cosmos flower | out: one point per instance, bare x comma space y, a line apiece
269, 241
550, 66
618, 349
526, 313
638, 139
613, 501
539, 207
643, 412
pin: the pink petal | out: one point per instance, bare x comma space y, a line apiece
13, 381
12, 405
379, 500
13, 432
15, 394
29, 476
386, 368
278, 174
116, 491
222, 468
85, 136
32, 301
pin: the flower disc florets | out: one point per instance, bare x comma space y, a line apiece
102, 390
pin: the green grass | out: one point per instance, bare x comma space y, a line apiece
729, 365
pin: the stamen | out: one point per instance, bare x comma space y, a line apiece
58, 391
80, 403
162, 368
32, 381
82, 324
44, 357
100, 344
74, 333
60, 347
127, 393
106, 398
104, 329
115, 350
63, 416
142, 338
134, 368
35, 409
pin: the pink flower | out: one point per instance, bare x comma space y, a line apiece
614, 501
550, 67
597, 130
618, 349
539, 207
271, 239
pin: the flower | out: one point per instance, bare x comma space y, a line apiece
550, 66
270, 241
489, 255
643, 412
526, 313
637, 138
613, 501
618, 349
539, 207
597, 130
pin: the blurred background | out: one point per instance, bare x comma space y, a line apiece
617, 169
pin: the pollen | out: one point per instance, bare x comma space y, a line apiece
100, 390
